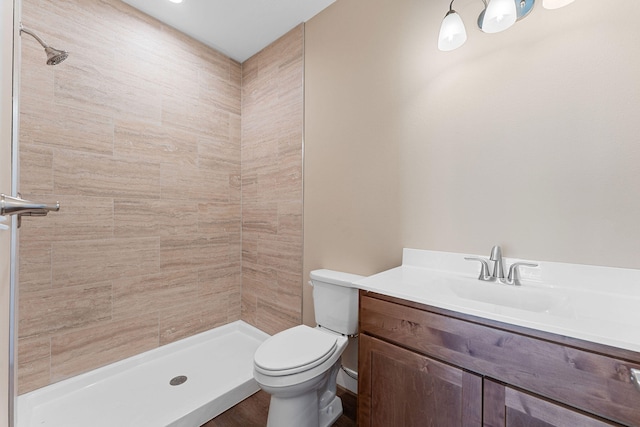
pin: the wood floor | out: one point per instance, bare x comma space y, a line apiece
252, 412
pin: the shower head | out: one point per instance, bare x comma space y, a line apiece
54, 56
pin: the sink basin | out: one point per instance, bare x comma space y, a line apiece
519, 297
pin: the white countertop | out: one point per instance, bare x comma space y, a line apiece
598, 304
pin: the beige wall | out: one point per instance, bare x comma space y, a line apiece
528, 138
137, 134
272, 116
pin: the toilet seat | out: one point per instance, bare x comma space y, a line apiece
294, 350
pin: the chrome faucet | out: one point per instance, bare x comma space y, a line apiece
513, 277
496, 257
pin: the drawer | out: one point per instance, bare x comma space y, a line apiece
593, 382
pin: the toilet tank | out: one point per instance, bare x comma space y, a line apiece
335, 300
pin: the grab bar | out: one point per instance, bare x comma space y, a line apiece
18, 206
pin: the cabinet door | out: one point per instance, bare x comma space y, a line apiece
508, 407
400, 388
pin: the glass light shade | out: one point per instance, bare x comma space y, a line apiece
500, 15
555, 4
452, 32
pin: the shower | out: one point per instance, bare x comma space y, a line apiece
54, 56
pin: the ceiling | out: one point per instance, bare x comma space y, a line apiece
237, 28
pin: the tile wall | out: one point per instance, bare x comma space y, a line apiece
272, 117
138, 135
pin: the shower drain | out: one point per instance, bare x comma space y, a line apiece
180, 379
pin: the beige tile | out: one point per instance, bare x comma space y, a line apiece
260, 217
33, 363
102, 176
54, 310
33, 348
182, 321
273, 318
249, 248
235, 74
137, 96
235, 132
80, 351
272, 185
33, 375
91, 261
207, 120
35, 265
219, 92
59, 126
234, 306
40, 229
151, 218
86, 82
219, 281
36, 78
260, 280
290, 218
249, 309
290, 289
36, 169
153, 293
195, 251
214, 64
289, 179
73, 25
249, 186
155, 143
217, 218
83, 218
198, 184
219, 154
235, 187
283, 255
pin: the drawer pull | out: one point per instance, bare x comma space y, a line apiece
635, 378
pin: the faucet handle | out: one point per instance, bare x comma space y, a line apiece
514, 273
484, 268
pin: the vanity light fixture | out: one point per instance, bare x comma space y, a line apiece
452, 32
497, 15
555, 4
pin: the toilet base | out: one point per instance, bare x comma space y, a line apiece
330, 413
302, 411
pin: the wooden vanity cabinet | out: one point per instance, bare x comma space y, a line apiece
508, 407
424, 366
407, 388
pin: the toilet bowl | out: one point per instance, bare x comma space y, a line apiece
298, 367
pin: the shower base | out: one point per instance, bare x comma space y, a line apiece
217, 364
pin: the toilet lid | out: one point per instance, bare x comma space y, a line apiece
295, 350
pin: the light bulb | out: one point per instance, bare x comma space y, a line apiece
452, 32
500, 15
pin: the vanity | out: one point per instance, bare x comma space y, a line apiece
438, 347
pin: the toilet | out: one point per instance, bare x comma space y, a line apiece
298, 367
